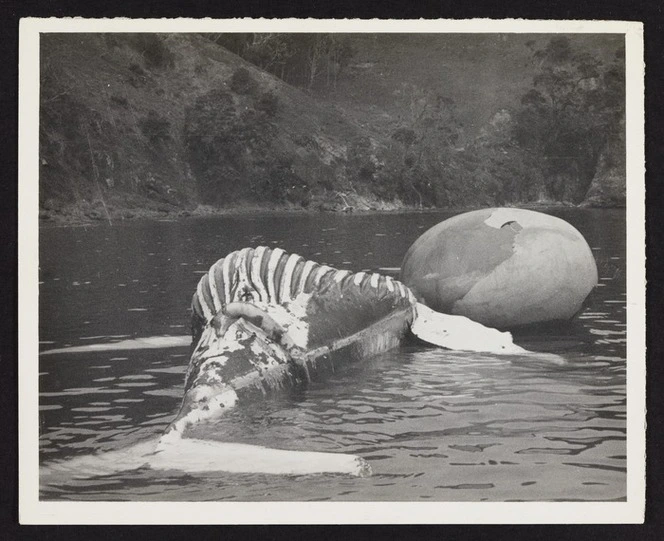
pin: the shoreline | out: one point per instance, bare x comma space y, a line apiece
76, 218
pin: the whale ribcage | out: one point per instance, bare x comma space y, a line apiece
272, 276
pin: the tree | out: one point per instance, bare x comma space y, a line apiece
299, 59
575, 104
425, 143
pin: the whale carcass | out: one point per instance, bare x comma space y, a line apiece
265, 320
502, 267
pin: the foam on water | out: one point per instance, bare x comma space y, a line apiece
148, 342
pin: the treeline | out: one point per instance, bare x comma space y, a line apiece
299, 59
168, 122
547, 149
576, 106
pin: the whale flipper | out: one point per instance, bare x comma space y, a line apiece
462, 334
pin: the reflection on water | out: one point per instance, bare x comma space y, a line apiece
435, 425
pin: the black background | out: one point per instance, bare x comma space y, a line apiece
647, 11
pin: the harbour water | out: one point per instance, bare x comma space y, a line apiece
433, 424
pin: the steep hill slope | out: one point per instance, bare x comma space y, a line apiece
149, 124
134, 122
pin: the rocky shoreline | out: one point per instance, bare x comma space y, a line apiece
97, 213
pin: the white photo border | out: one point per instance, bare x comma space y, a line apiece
34, 511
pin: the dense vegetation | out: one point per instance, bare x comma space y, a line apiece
136, 123
303, 60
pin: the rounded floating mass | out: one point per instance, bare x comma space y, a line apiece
502, 267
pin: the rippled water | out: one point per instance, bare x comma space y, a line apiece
435, 425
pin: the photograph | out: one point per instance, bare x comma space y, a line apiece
395, 270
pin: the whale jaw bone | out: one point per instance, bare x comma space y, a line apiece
174, 453
194, 455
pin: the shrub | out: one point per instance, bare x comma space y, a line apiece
242, 82
138, 70
119, 101
405, 136
281, 183
155, 128
212, 116
268, 103
153, 49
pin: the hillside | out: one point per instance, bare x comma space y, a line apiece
131, 124
136, 125
481, 73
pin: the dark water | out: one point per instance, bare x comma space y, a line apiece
435, 425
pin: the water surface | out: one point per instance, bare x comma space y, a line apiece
434, 424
